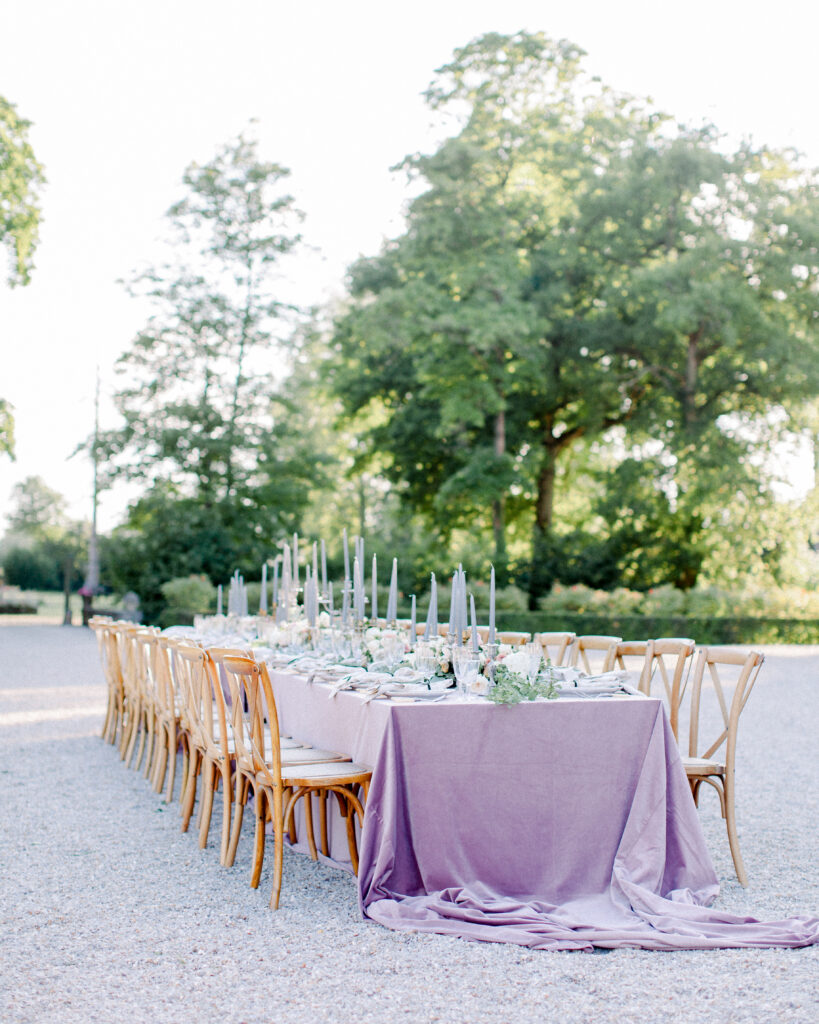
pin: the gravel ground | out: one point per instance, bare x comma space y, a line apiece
110, 913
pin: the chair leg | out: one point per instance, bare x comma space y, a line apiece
149, 751
308, 824
258, 839
189, 795
733, 838
171, 755
323, 822
348, 810
240, 799
278, 853
227, 803
210, 777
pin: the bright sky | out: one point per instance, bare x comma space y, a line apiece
124, 96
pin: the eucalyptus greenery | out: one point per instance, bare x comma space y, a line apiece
513, 687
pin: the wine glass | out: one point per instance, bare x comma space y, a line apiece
392, 651
534, 657
467, 666
426, 661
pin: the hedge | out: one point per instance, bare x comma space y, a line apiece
740, 630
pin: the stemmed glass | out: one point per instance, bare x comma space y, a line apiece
534, 657
467, 666
392, 651
426, 661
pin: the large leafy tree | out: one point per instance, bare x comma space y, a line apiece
21, 179
208, 426
576, 263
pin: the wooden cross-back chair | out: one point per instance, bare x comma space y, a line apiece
713, 760
218, 655
555, 646
671, 661
635, 657
512, 638
132, 704
210, 742
145, 668
601, 648
277, 785
109, 648
168, 720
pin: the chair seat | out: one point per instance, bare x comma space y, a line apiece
700, 766
326, 773
310, 755
288, 743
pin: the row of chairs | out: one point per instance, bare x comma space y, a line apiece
217, 707
670, 663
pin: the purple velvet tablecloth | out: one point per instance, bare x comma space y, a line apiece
561, 825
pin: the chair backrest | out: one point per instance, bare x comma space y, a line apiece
636, 658
555, 646
727, 668
671, 663
163, 674
601, 646
255, 720
514, 638
109, 647
191, 672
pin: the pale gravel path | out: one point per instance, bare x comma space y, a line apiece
109, 913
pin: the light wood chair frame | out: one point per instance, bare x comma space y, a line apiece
556, 646
278, 788
701, 764
578, 656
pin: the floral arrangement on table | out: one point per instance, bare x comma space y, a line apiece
516, 682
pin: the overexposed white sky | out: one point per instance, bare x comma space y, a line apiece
124, 96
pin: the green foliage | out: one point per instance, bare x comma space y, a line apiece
196, 594
208, 425
577, 264
6, 429
21, 179
44, 548
511, 687
31, 568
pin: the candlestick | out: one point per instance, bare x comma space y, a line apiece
296, 559
219, 599
358, 591
492, 606
346, 553
392, 601
263, 591
315, 563
431, 629
276, 583
475, 644
374, 607
453, 604
323, 569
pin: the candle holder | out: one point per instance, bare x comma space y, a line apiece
491, 651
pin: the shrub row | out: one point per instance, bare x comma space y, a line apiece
737, 630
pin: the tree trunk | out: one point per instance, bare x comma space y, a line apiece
68, 566
541, 576
692, 362
499, 508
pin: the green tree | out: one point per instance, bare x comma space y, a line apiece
42, 535
21, 179
577, 263
207, 422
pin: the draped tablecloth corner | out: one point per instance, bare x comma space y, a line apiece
554, 826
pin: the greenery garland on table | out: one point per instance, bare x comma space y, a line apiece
512, 687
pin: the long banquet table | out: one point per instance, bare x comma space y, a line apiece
565, 824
